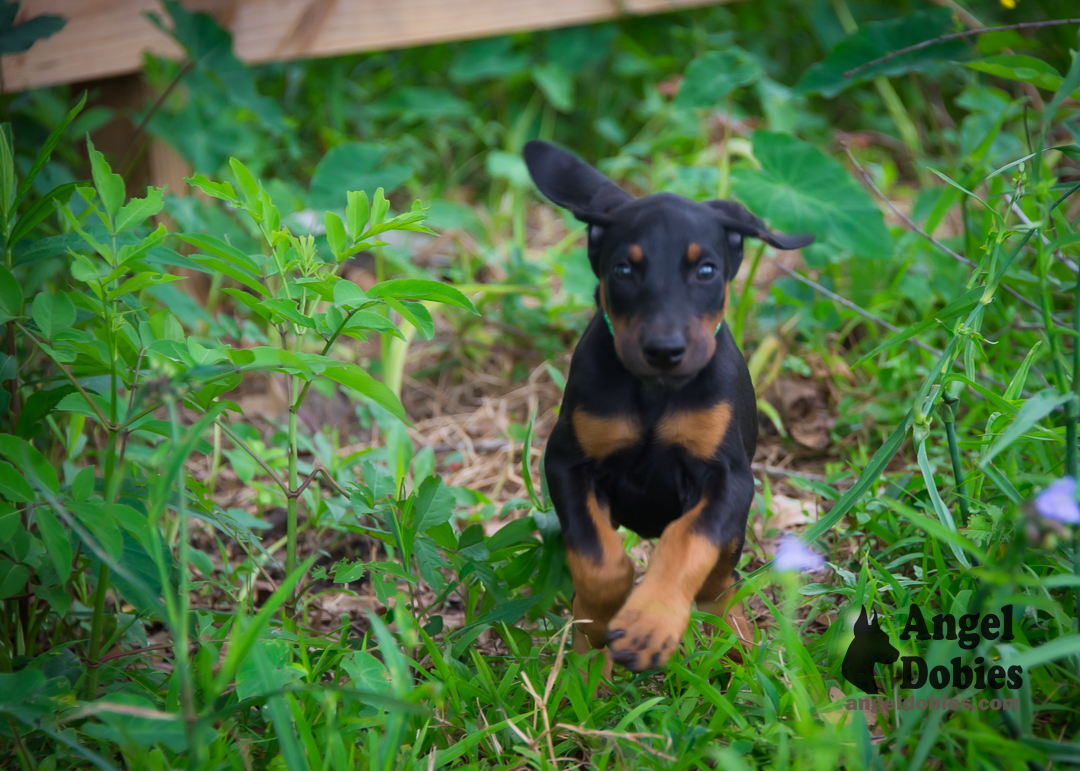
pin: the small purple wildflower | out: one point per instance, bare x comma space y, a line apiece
1058, 501
793, 554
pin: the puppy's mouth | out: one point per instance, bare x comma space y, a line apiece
663, 380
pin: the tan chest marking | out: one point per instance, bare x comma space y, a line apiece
599, 436
699, 431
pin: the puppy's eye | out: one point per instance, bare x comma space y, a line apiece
706, 272
622, 270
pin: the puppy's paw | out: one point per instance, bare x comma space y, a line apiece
644, 637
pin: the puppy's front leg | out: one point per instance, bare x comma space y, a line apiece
650, 626
602, 571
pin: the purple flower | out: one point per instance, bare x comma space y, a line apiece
1058, 501
793, 554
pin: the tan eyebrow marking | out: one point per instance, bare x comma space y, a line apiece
693, 252
636, 254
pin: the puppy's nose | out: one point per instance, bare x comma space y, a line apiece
664, 351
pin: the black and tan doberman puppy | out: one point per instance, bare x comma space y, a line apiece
659, 419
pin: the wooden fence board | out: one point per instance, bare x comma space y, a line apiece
104, 38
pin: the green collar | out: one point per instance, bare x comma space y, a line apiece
611, 329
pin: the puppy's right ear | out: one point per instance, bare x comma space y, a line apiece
573, 184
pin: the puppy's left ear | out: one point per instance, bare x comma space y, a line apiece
739, 223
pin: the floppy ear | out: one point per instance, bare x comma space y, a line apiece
573, 184
737, 220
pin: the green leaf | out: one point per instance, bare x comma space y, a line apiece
12, 579
352, 376
141, 281
137, 210
82, 487
556, 83
1033, 410
800, 189
223, 250
110, 187
433, 504
95, 518
30, 462
370, 320
249, 187
221, 190
344, 573
46, 151
41, 209
487, 59
960, 305
7, 176
1026, 69
19, 38
712, 76
509, 167
1068, 87
52, 312
56, 540
348, 295
242, 276
1063, 647
287, 311
421, 289
335, 233
1016, 386
243, 639
11, 296
250, 300
353, 166
357, 211
506, 613
13, 486
36, 407
414, 313
874, 40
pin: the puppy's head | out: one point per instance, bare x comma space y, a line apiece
664, 263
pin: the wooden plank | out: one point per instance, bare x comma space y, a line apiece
104, 38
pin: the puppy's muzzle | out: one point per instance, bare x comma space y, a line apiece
664, 352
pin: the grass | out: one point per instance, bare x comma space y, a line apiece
221, 547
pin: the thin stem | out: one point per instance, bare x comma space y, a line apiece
71, 378
852, 306
188, 65
1073, 409
948, 415
96, 624
933, 241
254, 456
744, 297
290, 553
956, 36
24, 753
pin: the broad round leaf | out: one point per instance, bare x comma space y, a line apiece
714, 75
800, 189
874, 40
52, 312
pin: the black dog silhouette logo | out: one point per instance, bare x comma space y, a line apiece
871, 646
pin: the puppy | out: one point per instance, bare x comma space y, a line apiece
659, 418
